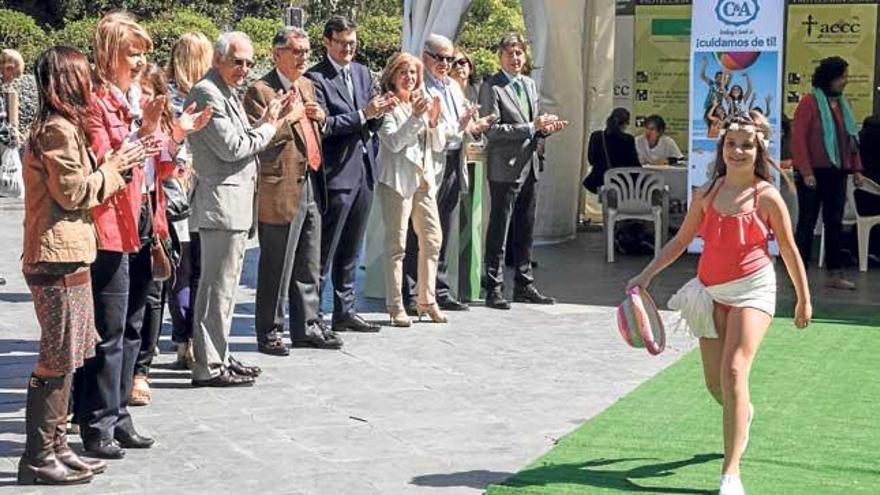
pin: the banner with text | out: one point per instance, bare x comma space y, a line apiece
736, 66
624, 24
662, 48
819, 29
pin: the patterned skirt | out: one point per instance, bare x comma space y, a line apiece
62, 294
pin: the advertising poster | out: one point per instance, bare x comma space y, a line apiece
662, 55
624, 24
820, 29
736, 66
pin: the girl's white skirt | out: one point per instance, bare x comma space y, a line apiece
694, 301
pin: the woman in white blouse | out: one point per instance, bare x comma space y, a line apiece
654, 147
407, 185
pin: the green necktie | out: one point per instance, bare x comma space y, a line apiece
522, 97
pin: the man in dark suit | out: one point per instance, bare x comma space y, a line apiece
514, 165
291, 194
344, 90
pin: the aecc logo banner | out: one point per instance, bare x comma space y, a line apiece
737, 12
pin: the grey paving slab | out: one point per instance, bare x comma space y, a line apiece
433, 409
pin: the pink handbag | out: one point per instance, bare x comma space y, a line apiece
639, 322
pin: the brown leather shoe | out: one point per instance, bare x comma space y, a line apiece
274, 347
240, 368
226, 378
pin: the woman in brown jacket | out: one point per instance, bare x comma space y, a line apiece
62, 184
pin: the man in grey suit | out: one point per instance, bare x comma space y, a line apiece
515, 146
224, 158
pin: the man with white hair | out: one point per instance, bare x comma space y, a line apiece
224, 158
459, 120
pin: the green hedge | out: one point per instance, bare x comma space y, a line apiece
168, 28
380, 21
78, 34
20, 32
261, 31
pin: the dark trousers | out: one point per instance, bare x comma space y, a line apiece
448, 194
290, 270
152, 327
343, 226
102, 386
829, 195
182, 294
511, 204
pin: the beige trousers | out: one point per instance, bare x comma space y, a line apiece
222, 262
396, 212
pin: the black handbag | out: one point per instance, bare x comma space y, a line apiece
594, 180
177, 205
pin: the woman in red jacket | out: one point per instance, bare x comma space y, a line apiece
825, 150
122, 271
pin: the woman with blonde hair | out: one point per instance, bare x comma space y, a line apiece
62, 184
190, 60
127, 225
407, 186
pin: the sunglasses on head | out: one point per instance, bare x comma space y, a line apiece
441, 58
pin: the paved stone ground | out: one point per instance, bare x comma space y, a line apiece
432, 409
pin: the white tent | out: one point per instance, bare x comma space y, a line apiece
572, 46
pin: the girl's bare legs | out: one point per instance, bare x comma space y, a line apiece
744, 332
712, 350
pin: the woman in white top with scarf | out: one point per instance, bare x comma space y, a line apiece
407, 185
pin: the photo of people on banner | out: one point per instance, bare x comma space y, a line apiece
724, 84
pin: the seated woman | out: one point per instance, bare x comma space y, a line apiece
609, 148
654, 147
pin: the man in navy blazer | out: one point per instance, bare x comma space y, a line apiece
345, 90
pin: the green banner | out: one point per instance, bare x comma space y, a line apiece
815, 31
662, 58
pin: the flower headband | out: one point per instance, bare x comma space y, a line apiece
751, 128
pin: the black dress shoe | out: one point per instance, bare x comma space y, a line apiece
132, 439
241, 369
451, 304
529, 294
226, 378
495, 300
411, 308
318, 336
273, 347
355, 323
106, 448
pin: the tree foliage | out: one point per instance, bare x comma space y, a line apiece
72, 22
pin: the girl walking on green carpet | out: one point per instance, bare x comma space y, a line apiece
731, 302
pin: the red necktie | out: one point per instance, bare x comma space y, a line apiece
312, 150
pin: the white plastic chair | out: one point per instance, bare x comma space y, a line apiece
634, 193
864, 224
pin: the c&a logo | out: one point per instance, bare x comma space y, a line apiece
737, 12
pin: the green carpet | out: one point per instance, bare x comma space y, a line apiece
816, 429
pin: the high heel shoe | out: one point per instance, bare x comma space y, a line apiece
433, 312
399, 318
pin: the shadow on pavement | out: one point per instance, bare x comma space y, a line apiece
587, 474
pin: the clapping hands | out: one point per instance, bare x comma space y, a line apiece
549, 123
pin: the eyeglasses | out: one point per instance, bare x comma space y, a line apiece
345, 44
243, 62
462, 62
305, 52
441, 58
